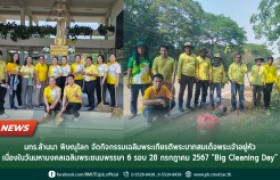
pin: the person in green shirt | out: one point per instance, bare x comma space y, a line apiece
257, 80
164, 65
237, 71
139, 74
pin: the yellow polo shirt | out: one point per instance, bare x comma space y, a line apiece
3, 70
78, 68
92, 69
42, 70
203, 68
69, 92
187, 65
237, 72
257, 76
164, 67
52, 94
27, 69
151, 93
11, 67
270, 73
218, 74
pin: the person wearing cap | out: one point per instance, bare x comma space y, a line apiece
164, 65
270, 79
217, 77
236, 73
203, 77
187, 73
3, 86
138, 74
257, 80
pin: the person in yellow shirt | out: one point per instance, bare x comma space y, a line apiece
113, 78
3, 86
52, 94
27, 72
55, 71
217, 77
203, 77
41, 74
72, 98
13, 69
270, 79
236, 73
257, 80
187, 73
78, 70
157, 100
91, 72
164, 65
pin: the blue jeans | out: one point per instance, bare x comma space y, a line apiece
135, 88
237, 88
218, 88
158, 110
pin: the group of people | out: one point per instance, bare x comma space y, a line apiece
58, 86
155, 79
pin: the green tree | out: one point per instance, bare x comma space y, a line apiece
267, 20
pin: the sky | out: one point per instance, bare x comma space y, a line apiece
239, 11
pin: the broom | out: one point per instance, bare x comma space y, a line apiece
102, 107
59, 118
117, 112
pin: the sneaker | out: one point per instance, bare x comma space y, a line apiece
76, 119
14, 107
90, 109
132, 116
232, 109
4, 116
181, 109
190, 108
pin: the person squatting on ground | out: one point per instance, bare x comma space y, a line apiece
52, 95
158, 101
72, 98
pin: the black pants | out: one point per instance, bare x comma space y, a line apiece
62, 81
267, 94
90, 87
80, 83
59, 82
98, 90
15, 93
55, 109
201, 85
135, 88
186, 80
111, 88
257, 94
3, 92
73, 108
